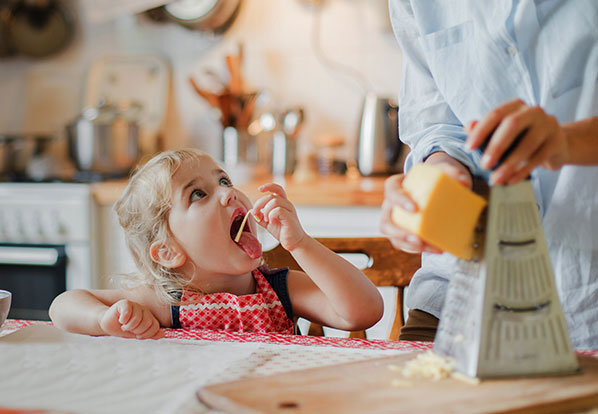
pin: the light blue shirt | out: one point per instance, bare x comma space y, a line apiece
463, 58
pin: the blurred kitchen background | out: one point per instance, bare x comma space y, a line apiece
320, 56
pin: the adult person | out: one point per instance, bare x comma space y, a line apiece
511, 66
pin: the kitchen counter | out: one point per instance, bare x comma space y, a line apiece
334, 190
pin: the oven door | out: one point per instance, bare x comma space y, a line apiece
35, 274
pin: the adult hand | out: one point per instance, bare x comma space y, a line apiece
395, 195
544, 144
130, 319
278, 215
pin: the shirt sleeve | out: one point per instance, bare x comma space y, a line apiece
426, 122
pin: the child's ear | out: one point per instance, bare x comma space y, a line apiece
168, 255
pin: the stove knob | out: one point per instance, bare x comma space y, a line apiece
32, 226
2, 227
52, 226
13, 223
61, 228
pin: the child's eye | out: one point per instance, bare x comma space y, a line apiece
225, 181
197, 195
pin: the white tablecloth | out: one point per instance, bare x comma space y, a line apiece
44, 367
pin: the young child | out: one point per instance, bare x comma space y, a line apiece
180, 213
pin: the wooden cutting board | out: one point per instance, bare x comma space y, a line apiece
367, 387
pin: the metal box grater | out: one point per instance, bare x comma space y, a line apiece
502, 315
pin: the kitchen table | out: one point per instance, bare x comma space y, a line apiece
43, 367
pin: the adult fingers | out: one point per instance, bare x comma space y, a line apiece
482, 129
512, 127
395, 195
543, 152
453, 168
520, 158
400, 238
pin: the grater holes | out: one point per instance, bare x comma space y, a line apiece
517, 221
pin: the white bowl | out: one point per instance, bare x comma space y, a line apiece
5, 299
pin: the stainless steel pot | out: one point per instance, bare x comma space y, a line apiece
105, 140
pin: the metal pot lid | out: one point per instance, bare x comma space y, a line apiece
203, 15
190, 9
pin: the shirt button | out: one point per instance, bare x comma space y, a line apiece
511, 50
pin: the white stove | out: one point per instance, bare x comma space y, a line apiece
46, 243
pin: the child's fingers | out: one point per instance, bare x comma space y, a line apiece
124, 311
159, 334
273, 188
259, 205
135, 320
149, 327
280, 214
144, 324
273, 204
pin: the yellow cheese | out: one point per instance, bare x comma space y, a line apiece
447, 211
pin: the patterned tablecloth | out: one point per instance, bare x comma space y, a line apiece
273, 339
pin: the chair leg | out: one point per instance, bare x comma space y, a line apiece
399, 319
315, 330
357, 334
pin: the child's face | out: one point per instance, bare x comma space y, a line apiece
204, 207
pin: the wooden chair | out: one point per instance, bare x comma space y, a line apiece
387, 266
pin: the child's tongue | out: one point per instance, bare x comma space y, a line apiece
251, 245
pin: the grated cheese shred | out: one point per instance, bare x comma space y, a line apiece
429, 365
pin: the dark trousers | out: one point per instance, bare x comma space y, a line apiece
420, 326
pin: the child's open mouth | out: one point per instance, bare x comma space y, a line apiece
248, 242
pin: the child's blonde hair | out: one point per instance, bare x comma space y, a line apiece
143, 210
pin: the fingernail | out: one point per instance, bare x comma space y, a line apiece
496, 177
412, 239
409, 207
486, 161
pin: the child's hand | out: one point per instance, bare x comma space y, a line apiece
129, 319
277, 214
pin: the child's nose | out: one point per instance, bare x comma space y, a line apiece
228, 195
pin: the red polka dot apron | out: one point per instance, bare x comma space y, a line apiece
258, 312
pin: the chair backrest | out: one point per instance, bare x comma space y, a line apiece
387, 266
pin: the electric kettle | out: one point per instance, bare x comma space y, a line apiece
379, 150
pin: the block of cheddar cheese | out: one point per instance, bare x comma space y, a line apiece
447, 211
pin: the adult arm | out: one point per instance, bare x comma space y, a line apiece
427, 124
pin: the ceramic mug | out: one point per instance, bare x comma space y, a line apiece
5, 299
